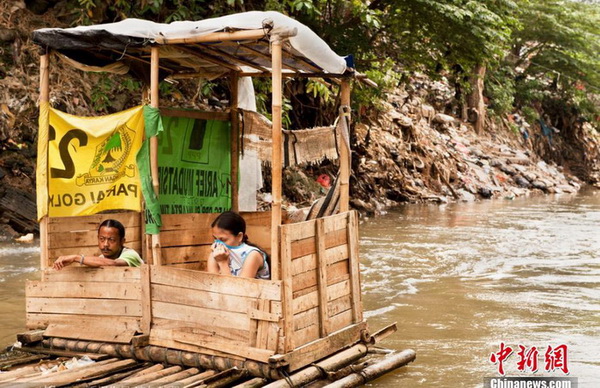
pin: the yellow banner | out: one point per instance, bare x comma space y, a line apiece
91, 162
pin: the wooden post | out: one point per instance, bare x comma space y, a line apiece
345, 153
154, 102
286, 277
354, 267
42, 176
322, 277
235, 142
276, 162
146, 321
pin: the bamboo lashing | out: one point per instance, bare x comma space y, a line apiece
388, 364
154, 102
313, 372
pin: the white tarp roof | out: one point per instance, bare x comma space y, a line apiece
306, 42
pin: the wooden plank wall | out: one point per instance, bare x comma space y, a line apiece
79, 235
100, 304
186, 238
324, 277
215, 314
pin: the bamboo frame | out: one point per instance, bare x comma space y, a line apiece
154, 102
345, 154
218, 37
235, 141
44, 100
276, 162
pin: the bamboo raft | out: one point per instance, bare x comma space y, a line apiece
169, 322
45, 362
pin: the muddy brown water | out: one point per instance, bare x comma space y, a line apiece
459, 279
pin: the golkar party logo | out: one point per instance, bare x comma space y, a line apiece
110, 155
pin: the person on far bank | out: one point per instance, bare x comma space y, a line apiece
111, 237
231, 254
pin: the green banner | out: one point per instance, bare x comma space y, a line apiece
194, 166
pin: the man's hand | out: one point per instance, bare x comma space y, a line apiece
63, 261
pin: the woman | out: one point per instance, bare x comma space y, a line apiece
231, 254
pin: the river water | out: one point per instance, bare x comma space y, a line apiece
459, 279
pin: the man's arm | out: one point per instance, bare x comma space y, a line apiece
90, 261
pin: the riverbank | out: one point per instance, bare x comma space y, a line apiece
408, 149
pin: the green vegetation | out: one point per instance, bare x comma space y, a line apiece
538, 56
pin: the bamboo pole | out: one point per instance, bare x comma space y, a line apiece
313, 372
345, 153
276, 162
154, 102
42, 176
388, 364
218, 37
235, 142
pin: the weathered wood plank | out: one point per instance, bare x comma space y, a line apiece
306, 318
166, 326
41, 321
308, 290
190, 253
229, 347
173, 238
309, 262
306, 229
307, 246
339, 305
195, 266
30, 336
354, 267
88, 274
87, 238
102, 331
309, 330
341, 320
322, 277
68, 224
89, 290
208, 317
146, 299
222, 284
162, 338
323, 347
309, 278
198, 298
286, 276
131, 308
311, 300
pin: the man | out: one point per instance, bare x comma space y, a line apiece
111, 237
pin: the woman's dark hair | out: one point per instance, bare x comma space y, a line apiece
232, 222
110, 223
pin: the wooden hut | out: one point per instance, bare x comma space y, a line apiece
310, 308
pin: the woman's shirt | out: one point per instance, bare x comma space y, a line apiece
238, 255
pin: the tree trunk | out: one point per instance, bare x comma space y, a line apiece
475, 100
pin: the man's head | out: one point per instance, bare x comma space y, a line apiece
111, 237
